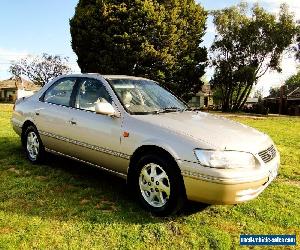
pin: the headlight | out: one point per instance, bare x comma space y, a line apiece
225, 159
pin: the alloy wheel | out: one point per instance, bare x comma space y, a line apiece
154, 185
33, 145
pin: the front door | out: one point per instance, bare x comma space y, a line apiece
97, 136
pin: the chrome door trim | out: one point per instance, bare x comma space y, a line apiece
85, 145
124, 176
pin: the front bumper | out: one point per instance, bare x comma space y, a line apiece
217, 190
216, 193
16, 127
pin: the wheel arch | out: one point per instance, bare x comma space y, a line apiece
146, 149
25, 125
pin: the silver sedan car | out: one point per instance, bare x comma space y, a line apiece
136, 129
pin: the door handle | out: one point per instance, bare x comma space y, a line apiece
72, 122
37, 111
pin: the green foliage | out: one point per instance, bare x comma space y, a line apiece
245, 47
293, 81
274, 92
151, 38
217, 96
41, 69
68, 205
297, 45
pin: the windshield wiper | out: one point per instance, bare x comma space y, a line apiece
168, 109
190, 109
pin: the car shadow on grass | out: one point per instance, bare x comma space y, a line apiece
95, 176
66, 189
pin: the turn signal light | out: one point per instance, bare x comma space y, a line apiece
125, 134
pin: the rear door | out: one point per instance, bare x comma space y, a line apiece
53, 115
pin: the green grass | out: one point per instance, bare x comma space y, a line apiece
66, 205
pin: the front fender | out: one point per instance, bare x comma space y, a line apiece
159, 144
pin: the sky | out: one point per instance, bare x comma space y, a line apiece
33, 27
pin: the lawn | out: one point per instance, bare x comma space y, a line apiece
67, 205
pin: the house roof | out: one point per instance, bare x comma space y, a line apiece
252, 100
295, 93
15, 83
205, 90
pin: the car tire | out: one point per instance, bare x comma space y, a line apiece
33, 145
158, 185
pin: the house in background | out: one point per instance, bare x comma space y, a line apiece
203, 99
15, 88
287, 102
251, 101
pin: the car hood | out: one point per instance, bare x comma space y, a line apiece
211, 131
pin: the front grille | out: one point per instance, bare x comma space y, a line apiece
268, 154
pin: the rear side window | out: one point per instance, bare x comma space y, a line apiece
60, 92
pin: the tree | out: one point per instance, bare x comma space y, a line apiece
274, 92
258, 94
217, 97
41, 69
293, 82
297, 45
158, 39
245, 47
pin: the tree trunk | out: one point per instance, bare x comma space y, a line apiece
225, 105
237, 95
241, 98
245, 98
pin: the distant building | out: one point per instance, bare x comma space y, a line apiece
287, 103
251, 101
203, 99
15, 88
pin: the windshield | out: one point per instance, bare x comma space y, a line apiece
145, 96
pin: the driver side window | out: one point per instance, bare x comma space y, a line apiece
91, 91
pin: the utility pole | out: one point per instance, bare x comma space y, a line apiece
282, 100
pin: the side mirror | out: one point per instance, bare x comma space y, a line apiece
105, 108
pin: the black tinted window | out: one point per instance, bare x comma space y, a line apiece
60, 92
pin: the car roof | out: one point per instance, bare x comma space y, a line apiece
109, 77
112, 77
106, 77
